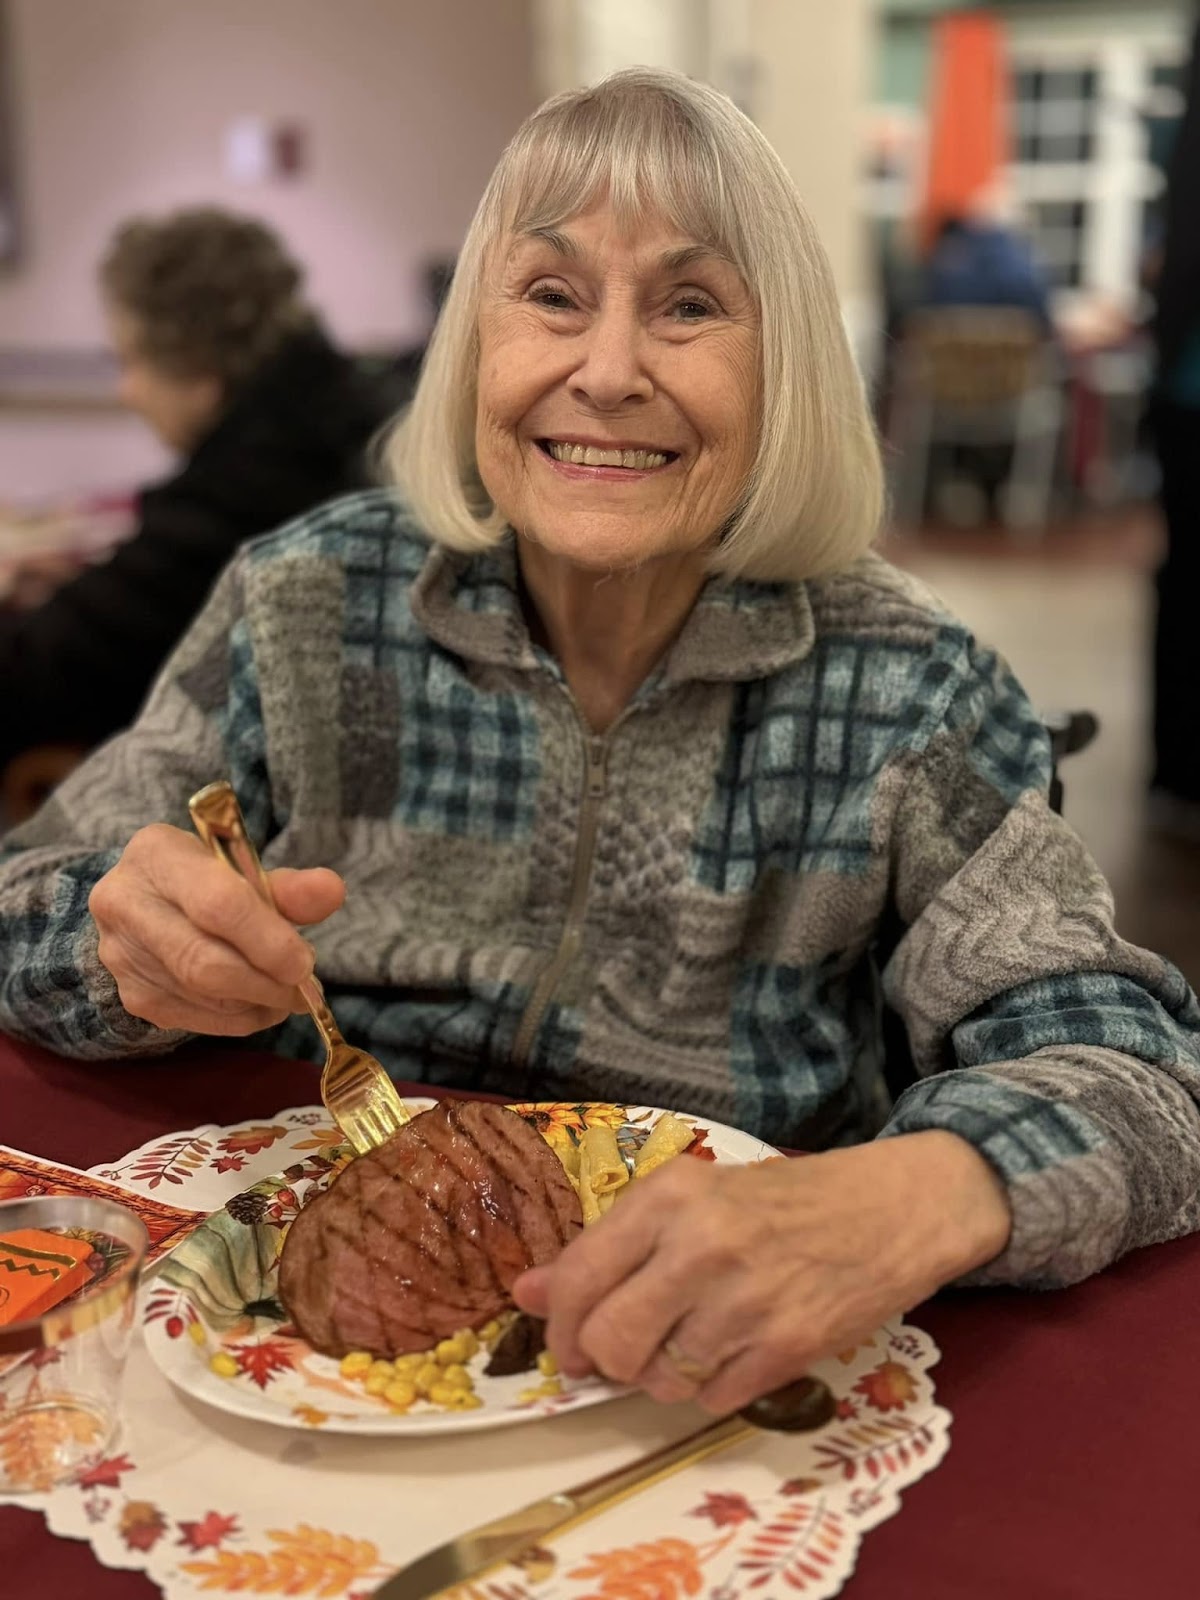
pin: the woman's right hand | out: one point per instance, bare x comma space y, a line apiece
191, 945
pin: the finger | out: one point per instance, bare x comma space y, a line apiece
624, 1330
591, 1266
531, 1291
770, 1361
164, 1008
162, 947
306, 896
219, 902
663, 1381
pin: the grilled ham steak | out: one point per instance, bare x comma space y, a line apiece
426, 1235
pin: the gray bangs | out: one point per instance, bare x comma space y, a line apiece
643, 153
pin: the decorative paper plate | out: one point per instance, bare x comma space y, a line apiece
214, 1325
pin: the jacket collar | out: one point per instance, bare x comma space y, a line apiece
737, 631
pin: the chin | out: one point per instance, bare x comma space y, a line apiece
606, 544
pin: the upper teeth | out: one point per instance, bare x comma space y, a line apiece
581, 455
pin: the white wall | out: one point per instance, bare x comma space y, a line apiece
123, 105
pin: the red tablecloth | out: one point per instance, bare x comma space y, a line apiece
1076, 1440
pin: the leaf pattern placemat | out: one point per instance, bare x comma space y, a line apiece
206, 1503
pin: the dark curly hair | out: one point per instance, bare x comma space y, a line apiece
214, 294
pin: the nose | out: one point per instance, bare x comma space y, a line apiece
612, 370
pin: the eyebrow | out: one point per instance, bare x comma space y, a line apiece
670, 261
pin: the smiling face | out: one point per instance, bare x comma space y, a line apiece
617, 415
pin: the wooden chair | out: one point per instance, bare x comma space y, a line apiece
977, 376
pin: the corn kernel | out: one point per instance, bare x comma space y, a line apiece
357, 1364
469, 1340
490, 1332
449, 1351
223, 1364
528, 1396
444, 1394
457, 1377
547, 1365
425, 1377
376, 1382
400, 1394
384, 1367
551, 1386
406, 1365
465, 1401
197, 1333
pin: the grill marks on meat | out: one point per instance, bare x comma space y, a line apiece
427, 1234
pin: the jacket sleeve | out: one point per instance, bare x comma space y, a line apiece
1067, 1057
78, 667
203, 720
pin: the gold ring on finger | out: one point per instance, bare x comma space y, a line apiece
687, 1366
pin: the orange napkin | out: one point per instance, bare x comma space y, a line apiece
37, 1270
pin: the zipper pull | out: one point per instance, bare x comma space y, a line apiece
597, 768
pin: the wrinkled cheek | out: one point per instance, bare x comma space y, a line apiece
498, 455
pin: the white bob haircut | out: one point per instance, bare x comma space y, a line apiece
656, 143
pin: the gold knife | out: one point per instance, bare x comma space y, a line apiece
800, 1407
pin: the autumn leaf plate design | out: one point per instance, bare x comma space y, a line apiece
213, 1322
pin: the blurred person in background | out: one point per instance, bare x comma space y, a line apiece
224, 359
1175, 418
979, 260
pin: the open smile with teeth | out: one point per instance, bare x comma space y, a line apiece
589, 455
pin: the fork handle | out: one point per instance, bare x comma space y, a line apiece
217, 818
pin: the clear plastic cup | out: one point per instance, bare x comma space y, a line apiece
60, 1373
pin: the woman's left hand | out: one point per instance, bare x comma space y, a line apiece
718, 1283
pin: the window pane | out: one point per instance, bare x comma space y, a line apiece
1167, 75
1026, 85
1064, 147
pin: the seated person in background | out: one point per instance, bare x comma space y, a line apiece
977, 260
225, 361
643, 778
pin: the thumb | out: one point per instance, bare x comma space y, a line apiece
306, 896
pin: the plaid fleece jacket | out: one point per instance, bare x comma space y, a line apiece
825, 797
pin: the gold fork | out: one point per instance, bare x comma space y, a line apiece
357, 1092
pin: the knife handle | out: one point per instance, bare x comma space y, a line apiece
612, 1487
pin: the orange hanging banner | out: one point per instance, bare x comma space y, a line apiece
968, 116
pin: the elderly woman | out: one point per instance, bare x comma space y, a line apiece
636, 776
228, 365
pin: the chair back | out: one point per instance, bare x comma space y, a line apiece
974, 356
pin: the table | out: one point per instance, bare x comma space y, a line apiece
1075, 1449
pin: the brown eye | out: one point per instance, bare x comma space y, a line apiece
553, 299
693, 310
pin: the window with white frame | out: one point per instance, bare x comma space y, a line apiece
1084, 173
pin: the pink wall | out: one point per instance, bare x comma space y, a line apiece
123, 105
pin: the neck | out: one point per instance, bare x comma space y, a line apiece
607, 630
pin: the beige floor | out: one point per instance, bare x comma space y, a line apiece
1077, 635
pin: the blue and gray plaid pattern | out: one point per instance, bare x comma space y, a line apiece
808, 770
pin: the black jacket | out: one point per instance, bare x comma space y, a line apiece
76, 669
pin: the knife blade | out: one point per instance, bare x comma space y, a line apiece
800, 1407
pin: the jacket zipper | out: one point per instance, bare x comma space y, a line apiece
595, 749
